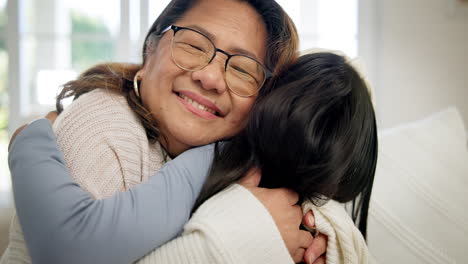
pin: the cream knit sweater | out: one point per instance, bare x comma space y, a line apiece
100, 135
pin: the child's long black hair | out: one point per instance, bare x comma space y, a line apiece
314, 132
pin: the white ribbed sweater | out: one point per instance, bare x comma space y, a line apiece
100, 135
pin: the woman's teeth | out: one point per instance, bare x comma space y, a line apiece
197, 105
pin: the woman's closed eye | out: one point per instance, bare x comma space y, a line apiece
243, 73
190, 47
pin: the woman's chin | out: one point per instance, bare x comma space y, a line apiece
181, 140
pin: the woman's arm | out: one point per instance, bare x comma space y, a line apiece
62, 223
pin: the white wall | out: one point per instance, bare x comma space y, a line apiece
420, 62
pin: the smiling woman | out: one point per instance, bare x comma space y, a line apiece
207, 85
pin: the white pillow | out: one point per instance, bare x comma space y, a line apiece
419, 202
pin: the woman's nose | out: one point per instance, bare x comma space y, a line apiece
212, 77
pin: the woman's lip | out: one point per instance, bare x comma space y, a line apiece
195, 110
202, 100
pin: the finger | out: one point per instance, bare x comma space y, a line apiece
320, 260
297, 215
15, 134
316, 249
305, 239
52, 115
309, 219
298, 255
252, 178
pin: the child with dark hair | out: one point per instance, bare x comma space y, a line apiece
314, 132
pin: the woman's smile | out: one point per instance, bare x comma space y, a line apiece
199, 105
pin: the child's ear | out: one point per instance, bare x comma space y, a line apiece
252, 178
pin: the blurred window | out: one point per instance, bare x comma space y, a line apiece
4, 178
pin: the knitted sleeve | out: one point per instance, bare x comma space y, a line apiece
345, 243
231, 227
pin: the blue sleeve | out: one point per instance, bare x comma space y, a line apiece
63, 224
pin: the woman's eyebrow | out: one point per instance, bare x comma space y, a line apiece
203, 31
237, 50
212, 37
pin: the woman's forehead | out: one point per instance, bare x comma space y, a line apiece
232, 25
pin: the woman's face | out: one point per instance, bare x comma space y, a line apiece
234, 27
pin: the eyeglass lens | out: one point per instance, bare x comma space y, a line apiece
192, 51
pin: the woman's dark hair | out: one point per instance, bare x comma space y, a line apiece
314, 133
281, 51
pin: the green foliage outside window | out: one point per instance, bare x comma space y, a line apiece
3, 20
91, 41
3, 77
